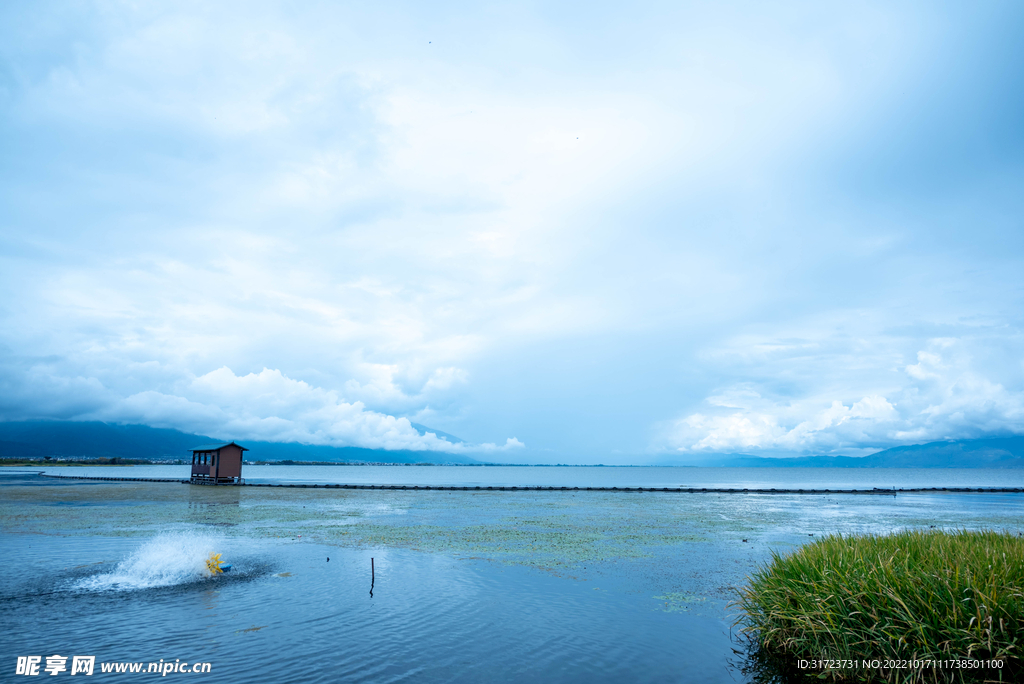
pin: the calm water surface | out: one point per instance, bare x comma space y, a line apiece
595, 476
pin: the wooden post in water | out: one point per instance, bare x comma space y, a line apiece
372, 576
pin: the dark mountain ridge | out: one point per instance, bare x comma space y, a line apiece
998, 452
66, 440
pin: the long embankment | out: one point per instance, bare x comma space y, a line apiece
518, 488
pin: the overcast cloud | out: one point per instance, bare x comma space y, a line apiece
607, 233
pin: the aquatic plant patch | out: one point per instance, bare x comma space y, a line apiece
914, 606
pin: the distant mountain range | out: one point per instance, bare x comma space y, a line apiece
64, 439
1001, 452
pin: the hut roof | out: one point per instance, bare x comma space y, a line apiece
214, 447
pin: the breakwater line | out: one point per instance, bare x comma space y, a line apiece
520, 488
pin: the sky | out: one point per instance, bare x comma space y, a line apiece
564, 232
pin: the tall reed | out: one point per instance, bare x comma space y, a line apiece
912, 595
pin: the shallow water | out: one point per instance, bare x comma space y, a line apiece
288, 614
469, 587
590, 476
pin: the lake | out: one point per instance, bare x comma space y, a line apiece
590, 476
467, 586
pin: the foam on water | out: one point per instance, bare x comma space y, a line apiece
163, 561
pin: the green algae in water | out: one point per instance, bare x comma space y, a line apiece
677, 602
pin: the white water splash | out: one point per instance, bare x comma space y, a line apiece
163, 561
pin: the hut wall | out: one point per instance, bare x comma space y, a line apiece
230, 462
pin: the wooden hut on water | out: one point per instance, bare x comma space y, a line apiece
217, 463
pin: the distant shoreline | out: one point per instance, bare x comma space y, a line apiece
761, 463
92, 443
877, 491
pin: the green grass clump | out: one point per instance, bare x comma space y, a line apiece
913, 595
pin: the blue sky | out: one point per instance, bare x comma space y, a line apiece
565, 233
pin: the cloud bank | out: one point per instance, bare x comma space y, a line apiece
942, 396
260, 406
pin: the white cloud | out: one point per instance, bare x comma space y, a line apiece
921, 370
264, 406
720, 433
445, 378
511, 444
942, 397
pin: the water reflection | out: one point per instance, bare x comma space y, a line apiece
759, 666
204, 497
